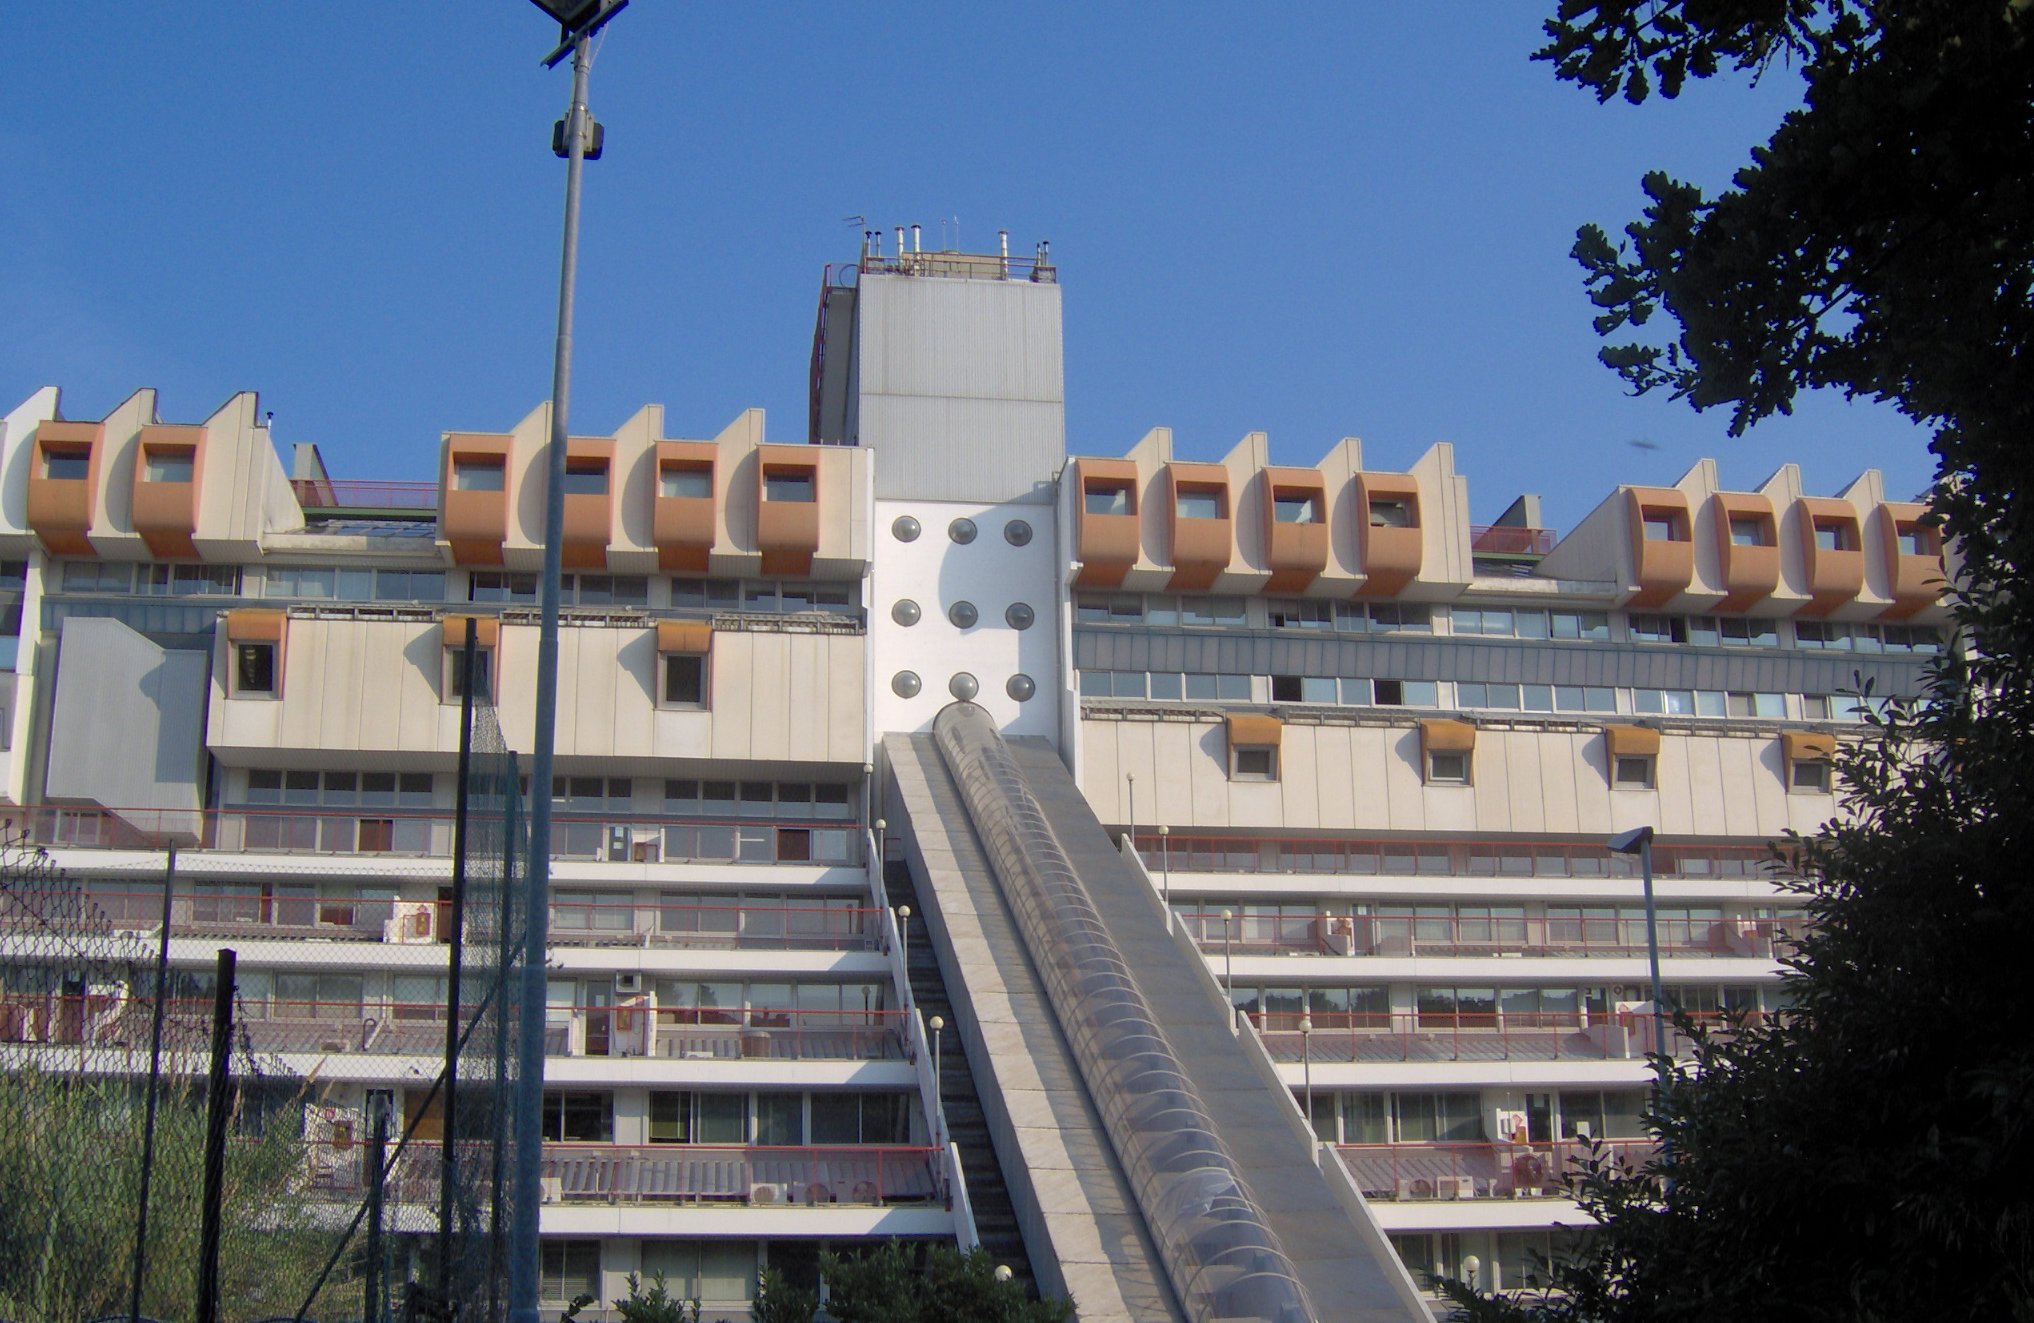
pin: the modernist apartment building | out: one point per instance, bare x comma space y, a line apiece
1365, 753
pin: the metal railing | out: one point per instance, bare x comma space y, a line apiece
1510, 540
1479, 1171
1361, 856
1371, 1036
649, 922
870, 1175
1387, 935
330, 830
364, 494
755, 1033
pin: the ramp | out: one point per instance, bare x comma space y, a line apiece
1240, 1221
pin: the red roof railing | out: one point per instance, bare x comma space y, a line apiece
1510, 540
364, 494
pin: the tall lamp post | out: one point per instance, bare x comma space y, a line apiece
1307, 1064
577, 21
1639, 841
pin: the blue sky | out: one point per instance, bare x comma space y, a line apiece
1312, 220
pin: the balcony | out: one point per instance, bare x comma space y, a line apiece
312, 829
1355, 856
1509, 540
732, 1034
377, 1028
1480, 1171
659, 923
864, 1175
1407, 935
330, 498
1342, 1037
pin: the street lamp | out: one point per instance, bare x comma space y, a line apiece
938, 1026
1307, 1064
1639, 841
904, 935
1165, 870
574, 139
1132, 778
1228, 970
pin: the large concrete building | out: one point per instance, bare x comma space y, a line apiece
1225, 799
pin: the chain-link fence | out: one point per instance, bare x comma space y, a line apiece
370, 1073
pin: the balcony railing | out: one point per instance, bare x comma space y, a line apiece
868, 1175
1387, 935
1510, 540
1400, 858
728, 927
364, 494
1478, 1171
418, 1028
734, 1034
315, 829
1370, 1036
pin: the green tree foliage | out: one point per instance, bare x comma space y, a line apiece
1867, 1156
69, 1188
886, 1286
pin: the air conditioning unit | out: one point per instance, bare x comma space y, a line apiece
766, 1194
628, 985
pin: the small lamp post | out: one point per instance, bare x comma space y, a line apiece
1228, 969
1132, 778
904, 934
938, 1026
1307, 1065
1165, 870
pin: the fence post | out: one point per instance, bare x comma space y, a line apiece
218, 1109
377, 1265
169, 885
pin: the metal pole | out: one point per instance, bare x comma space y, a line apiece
1132, 778
938, 1089
904, 936
501, 1113
377, 1268
169, 885
1307, 1060
1165, 871
1228, 971
448, 1152
218, 1108
1653, 943
529, 1190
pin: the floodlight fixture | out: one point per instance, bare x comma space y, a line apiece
577, 19
1631, 842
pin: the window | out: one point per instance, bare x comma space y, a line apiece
684, 679
1294, 508
1911, 638
1823, 635
1102, 498
1503, 697
1591, 625
1914, 539
84, 576
1211, 611
1663, 526
1632, 772
578, 1118
1303, 689
1750, 531
1252, 762
1405, 693
1391, 514
483, 683
1198, 504
1300, 614
168, 466
479, 475
188, 580
586, 477
568, 1269
1809, 776
1664, 702
1212, 688
685, 484
1097, 609
67, 465
1447, 767
1736, 633
1834, 535
1584, 698
1113, 684
1756, 705
506, 588
254, 670
788, 485
1393, 617
409, 585
704, 594
1657, 629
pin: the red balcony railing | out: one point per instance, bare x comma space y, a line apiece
364, 494
1478, 1171
706, 1033
1524, 935
278, 1024
1395, 858
1510, 540
737, 927
316, 829
871, 1175
1368, 1036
